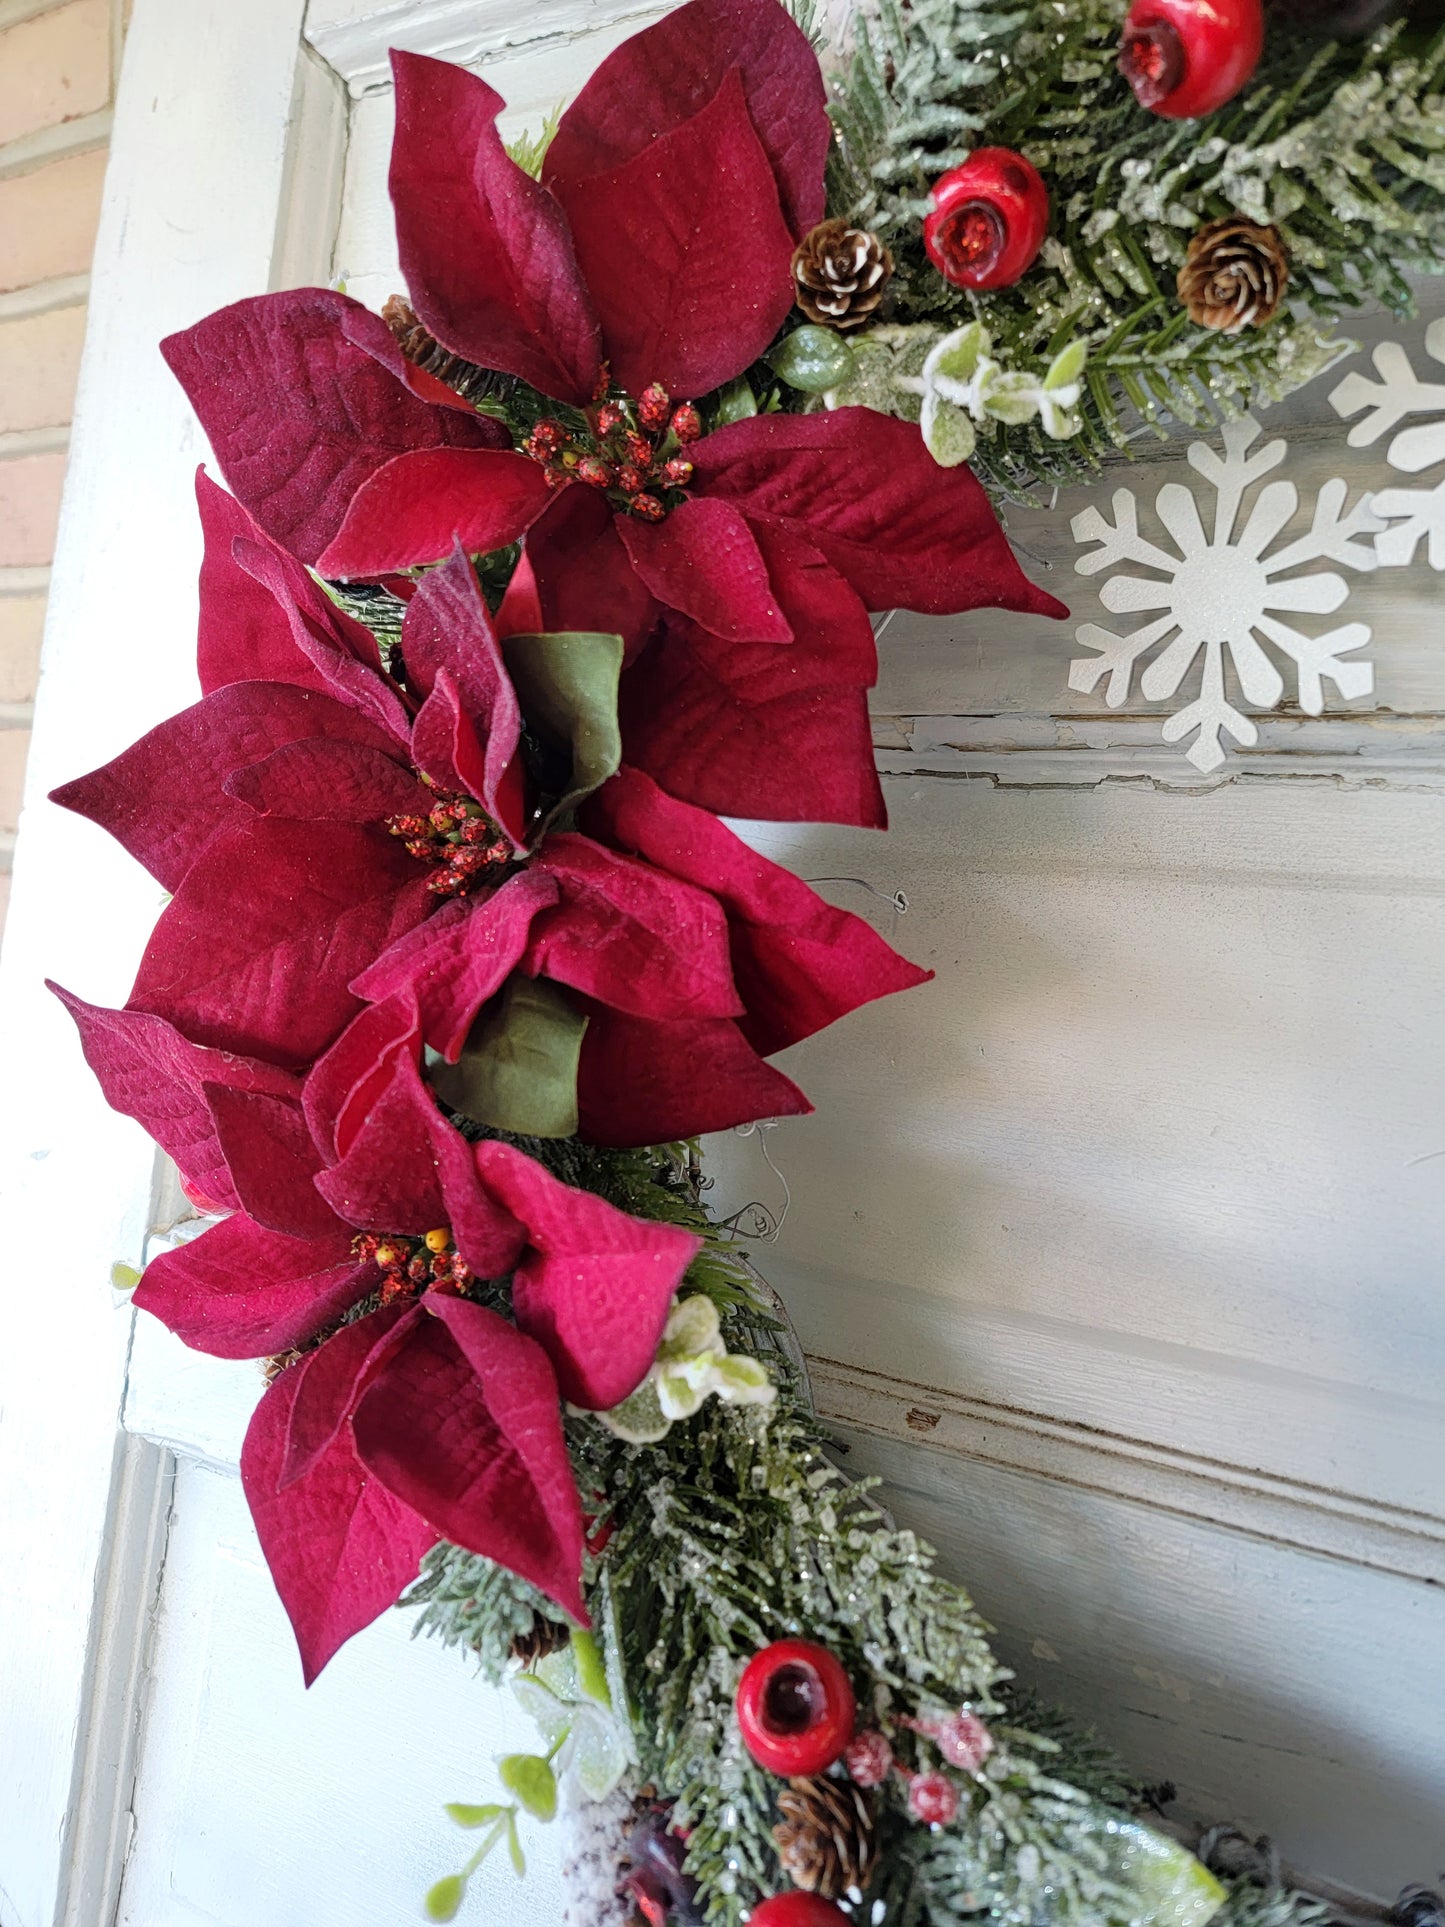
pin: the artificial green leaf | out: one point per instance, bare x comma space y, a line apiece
948, 432
444, 1900
682, 1387
887, 371
599, 1752
591, 1673
518, 1070
545, 1704
466, 1816
812, 359
532, 1780
736, 402
740, 1380
639, 1418
1012, 398
567, 685
1067, 366
692, 1327
124, 1277
957, 356
514, 1847
1169, 1885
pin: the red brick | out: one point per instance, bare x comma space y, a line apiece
14, 748
30, 508
22, 619
48, 219
39, 361
54, 68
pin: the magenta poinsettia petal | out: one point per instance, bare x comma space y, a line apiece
582, 574
345, 1082
686, 250
329, 1380
750, 730
326, 781
703, 560
241, 1291
164, 798
273, 983
243, 635
272, 1159
485, 249
664, 75
302, 400
340, 1546
148, 1070
459, 958
420, 507
444, 744
799, 963
595, 1285
863, 488
630, 935
648, 1083
462, 1423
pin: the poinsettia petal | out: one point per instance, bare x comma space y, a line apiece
799, 963
340, 1546
346, 1080
243, 635
485, 249
329, 1380
164, 797
462, 1423
272, 1159
419, 507
444, 744
863, 488
302, 400
630, 935
662, 76
649, 1083
274, 982
582, 574
686, 250
704, 561
240, 1291
325, 781
148, 1070
595, 1287
460, 957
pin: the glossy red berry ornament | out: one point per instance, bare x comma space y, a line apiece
797, 1910
1184, 58
795, 1708
987, 220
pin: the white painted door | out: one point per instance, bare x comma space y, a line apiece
1117, 1248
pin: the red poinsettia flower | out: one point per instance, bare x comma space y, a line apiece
430, 1415
651, 262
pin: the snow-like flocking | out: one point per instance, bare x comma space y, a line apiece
1416, 515
1223, 594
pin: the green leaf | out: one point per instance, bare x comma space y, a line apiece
514, 1847
445, 1898
740, 1380
533, 1782
591, 1673
466, 1816
600, 1753
1172, 1888
1013, 398
518, 1071
545, 1704
1067, 367
957, 356
567, 685
736, 402
639, 1418
124, 1277
812, 359
692, 1327
948, 432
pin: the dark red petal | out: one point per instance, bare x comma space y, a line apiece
646, 1083
863, 488
686, 251
325, 781
462, 1423
244, 636
302, 400
272, 1159
274, 982
703, 560
420, 507
444, 744
238, 1291
583, 576
630, 935
799, 962
341, 1548
595, 1286
148, 1070
164, 798
329, 1380
460, 957
666, 73
345, 1082
485, 249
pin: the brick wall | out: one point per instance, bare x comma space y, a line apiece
58, 62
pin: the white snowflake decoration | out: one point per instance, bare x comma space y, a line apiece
1418, 514
1222, 593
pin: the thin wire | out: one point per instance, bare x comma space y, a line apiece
897, 903
771, 1223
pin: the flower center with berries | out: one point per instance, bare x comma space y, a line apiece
629, 451
460, 840
410, 1266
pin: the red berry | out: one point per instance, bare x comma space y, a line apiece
795, 1708
797, 1910
678, 472
869, 1759
987, 220
648, 507
630, 478
1184, 58
594, 472
554, 475
638, 450
932, 1798
686, 423
610, 415
653, 405
964, 1741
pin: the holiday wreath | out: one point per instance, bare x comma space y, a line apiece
517, 590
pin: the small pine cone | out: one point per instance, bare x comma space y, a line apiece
840, 274
826, 1839
1235, 275
423, 350
543, 1637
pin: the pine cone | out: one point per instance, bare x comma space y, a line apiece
545, 1636
423, 350
826, 1839
1235, 275
840, 274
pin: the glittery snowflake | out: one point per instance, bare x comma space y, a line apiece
1223, 593
1416, 514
